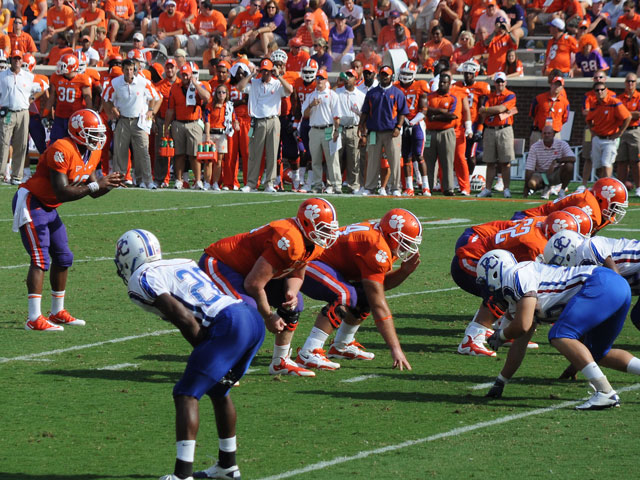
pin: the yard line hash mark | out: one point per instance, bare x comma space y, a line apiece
119, 366
361, 378
451, 433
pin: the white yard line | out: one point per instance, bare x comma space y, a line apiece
361, 378
451, 433
481, 386
119, 366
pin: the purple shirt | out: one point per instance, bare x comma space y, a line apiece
383, 106
296, 11
589, 65
339, 40
325, 60
281, 24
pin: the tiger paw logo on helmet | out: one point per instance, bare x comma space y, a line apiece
312, 212
284, 243
559, 225
396, 222
608, 192
381, 256
77, 121
588, 210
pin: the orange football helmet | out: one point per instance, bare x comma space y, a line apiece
82, 60
403, 232
558, 221
68, 63
86, 128
612, 197
318, 221
584, 221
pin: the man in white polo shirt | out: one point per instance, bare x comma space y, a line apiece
265, 94
132, 102
550, 162
16, 88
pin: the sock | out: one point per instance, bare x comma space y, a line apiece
310, 178
634, 366
315, 339
417, 172
593, 373
281, 351
345, 335
409, 181
57, 301
302, 171
503, 379
185, 451
425, 181
34, 302
474, 328
227, 452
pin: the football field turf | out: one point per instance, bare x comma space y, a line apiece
95, 402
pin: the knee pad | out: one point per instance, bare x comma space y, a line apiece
360, 312
335, 312
64, 260
290, 318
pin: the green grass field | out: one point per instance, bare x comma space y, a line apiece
95, 402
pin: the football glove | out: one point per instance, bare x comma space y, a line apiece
496, 390
477, 137
494, 341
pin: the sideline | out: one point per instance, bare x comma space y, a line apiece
451, 433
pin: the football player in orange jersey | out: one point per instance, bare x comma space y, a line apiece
415, 92
303, 86
352, 277
525, 239
69, 91
266, 266
36, 129
65, 172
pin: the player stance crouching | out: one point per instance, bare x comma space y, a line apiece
588, 303
65, 172
352, 277
225, 334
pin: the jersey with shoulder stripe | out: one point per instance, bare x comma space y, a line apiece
623, 251
585, 200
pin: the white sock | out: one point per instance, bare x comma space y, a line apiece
227, 444
310, 178
416, 172
34, 301
425, 181
593, 373
281, 351
302, 171
315, 339
345, 335
634, 366
474, 328
185, 450
57, 301
409, 182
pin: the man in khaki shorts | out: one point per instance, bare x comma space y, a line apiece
184, 116
628, 158
498, 134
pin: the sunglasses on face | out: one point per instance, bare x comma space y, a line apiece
631, 81
599, 89
499, 81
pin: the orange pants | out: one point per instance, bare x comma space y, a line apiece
237, 145
460, 165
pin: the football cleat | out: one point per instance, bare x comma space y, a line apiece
600, 401
408, 193
351, 351
286, 366
426, 192
173, 477
474, 346
315, 359
64, 318
42, 324
218, 472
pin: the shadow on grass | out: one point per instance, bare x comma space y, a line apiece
164, 358
48, 476
147, 376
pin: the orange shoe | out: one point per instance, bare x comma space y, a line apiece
64, 318
289, 367
42, 324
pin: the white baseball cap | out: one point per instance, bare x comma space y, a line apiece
558, 23
500, 76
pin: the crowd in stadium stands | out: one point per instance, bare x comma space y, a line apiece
377, 141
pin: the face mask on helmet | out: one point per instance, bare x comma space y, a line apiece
562, 247
134, 249
318, 221
612, 197
478, 183
407, 72
308, 74
86, 128
279, 56
490, 270
403, 232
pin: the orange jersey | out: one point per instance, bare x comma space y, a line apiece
122, 9
478, 94
437, 50
606, 118
449, 102
68, 93
104, 47
56, 53
280, 243
178, 103
245, 22
584, 200
413, 93
460, 93
211, 23
546, 110
360, 253
171, 23
632, 103
94, 76
633, 24
523, 238
216, 115
497, 50
506, 98
163, 87
60, 18
239, 100
301, 91
388, 34
90, 16
62, 156
296, 62
36, 107
189, 8
22, 42
287, 102
491, 228
559, 53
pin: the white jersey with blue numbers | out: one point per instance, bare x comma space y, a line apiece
623, 251
552, 286
184, 281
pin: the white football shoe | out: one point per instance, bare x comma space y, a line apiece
499, 186
315, 359
474, 345
173, 477
351, 351
218, 472
600, 401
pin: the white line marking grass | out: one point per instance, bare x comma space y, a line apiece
361, 378
481, 386
451, 433
119, 366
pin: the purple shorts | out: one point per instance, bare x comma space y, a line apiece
45, 237
461, 277
322, 282
412, 143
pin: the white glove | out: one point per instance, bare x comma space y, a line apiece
468, 129
417, 119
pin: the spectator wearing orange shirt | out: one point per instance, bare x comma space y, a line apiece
628, 157
438, 47
296, 57
549, 108
388, 32
120, 15
5, 44
171, 28
161, 164
90, 19
60, 49
608, 119
214, 49
309, 32
102, 44
498, 134
59, 20
497, 45
243, 31
207, 24
512, 66
368, 55
21, 40
559, 49
220, 122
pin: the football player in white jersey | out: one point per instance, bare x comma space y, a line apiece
179, 292
588, 303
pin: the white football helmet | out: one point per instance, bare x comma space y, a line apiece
491, 267
4, 61
478, 183
28, 62
408, 72
279, 56
309, 71
133, 249
195, 70
469, 67
561, 248
82, 60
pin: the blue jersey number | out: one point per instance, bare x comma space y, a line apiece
199, 285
